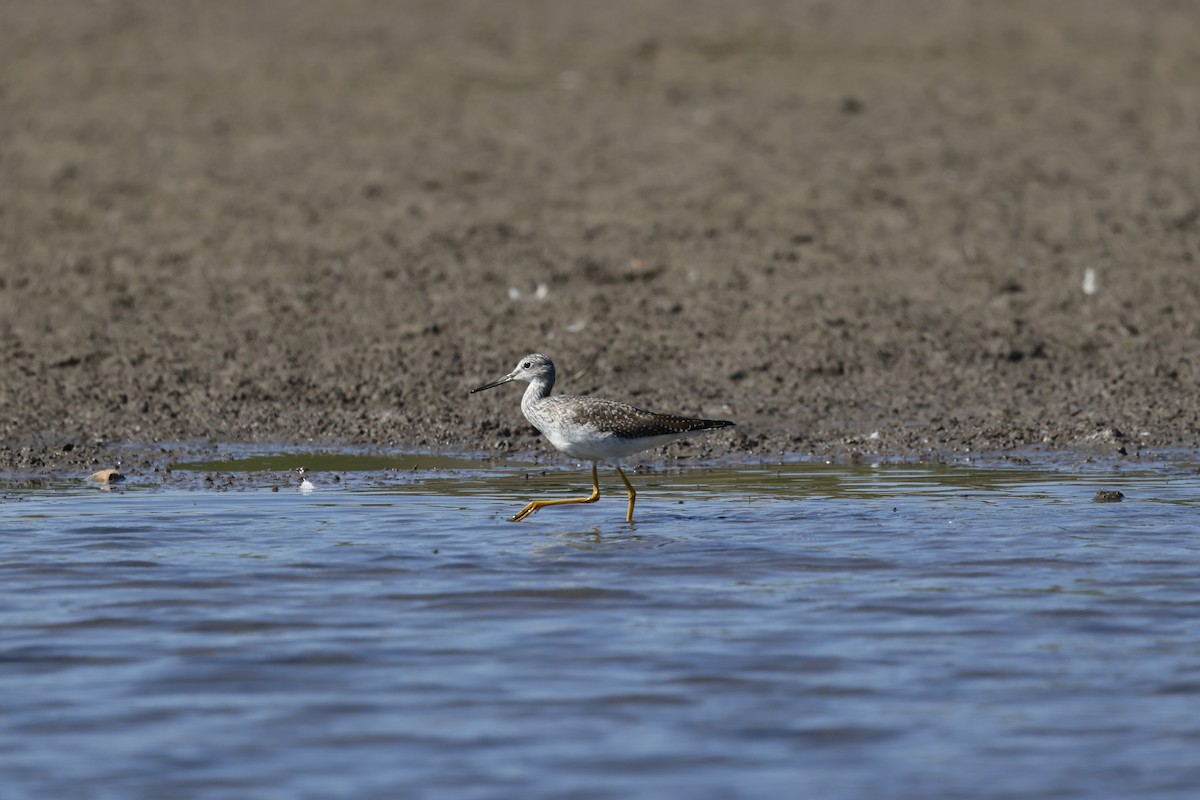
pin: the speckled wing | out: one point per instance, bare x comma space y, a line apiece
631, 422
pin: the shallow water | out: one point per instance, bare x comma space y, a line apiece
782, 631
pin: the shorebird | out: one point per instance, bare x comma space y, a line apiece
306, 486
592, 429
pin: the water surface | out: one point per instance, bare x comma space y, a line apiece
760, 631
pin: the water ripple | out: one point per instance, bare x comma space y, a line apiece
833, 632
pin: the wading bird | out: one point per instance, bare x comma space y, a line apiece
592, 429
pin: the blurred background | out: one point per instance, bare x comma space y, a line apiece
908, 226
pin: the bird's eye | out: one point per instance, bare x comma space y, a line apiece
526, 365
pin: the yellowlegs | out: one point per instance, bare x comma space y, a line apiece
592, 429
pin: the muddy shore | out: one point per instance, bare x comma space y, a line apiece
907, 228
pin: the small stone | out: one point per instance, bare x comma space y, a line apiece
106, 476
1108, 496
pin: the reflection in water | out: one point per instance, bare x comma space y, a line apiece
832, 631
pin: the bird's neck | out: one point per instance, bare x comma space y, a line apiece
537, 390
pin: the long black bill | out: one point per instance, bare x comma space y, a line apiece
493, 384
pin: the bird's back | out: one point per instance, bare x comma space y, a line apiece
596, 429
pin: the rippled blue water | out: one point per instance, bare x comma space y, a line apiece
798, 631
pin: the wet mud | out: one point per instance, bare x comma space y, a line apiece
910, 228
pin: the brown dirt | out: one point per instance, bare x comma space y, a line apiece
303, 221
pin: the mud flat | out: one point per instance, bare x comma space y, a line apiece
851, 227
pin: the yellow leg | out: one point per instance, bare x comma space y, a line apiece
537, 505
632, 494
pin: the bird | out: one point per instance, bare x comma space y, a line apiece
592, 429
306, 486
